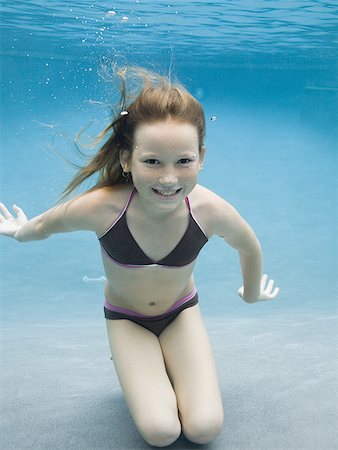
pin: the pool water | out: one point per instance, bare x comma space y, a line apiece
266, 75
275, 160
270, 94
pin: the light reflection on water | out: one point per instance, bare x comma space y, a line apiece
202, 31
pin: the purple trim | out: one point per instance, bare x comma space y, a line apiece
129, 312
181, 302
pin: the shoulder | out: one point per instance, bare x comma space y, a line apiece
96, 209
101, 198
200, 195
216, 215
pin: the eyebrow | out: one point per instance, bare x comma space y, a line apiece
184, 154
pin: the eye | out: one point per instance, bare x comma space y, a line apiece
152, 162
184, 161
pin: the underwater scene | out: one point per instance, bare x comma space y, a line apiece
266, 74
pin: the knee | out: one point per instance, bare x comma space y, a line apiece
203, 428
159, 434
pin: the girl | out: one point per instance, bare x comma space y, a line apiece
152, 219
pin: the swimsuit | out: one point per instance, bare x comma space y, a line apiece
119, 245
155, 324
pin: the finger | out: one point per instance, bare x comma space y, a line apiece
5, 211
271, 296
275, 293
269, 287
263, 282
19, 212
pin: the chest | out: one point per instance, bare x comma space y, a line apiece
157, 239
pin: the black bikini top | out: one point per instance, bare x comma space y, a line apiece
120, 246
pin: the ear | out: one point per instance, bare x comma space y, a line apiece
125, 160
202, 154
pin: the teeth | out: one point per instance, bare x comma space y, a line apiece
166, 193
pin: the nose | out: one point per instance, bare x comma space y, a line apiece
168, 178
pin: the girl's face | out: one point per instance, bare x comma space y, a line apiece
165, 162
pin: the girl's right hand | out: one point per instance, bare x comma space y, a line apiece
9, 224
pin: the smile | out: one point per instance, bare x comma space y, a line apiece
167, 193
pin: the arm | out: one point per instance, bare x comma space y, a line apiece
77, 214
228, 224
250, 256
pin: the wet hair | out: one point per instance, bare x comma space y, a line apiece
157, 99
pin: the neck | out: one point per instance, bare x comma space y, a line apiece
156, 213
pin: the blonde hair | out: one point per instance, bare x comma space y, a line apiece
158, 99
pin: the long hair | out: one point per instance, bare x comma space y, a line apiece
157, 99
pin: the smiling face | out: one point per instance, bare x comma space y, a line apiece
165, 161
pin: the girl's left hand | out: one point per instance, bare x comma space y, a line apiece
267, 292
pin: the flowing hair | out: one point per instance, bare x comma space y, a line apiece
157, 99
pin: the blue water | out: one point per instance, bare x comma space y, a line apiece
266, 70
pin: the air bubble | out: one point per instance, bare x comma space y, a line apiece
100, 279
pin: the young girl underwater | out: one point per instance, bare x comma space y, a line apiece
152, 219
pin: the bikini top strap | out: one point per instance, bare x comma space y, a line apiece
187, 202
131, 195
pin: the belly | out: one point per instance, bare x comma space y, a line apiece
147, 290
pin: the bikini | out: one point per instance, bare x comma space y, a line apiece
120, 247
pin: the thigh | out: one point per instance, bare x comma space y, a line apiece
191, 365
141, 370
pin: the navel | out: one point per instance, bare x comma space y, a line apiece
152, 304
